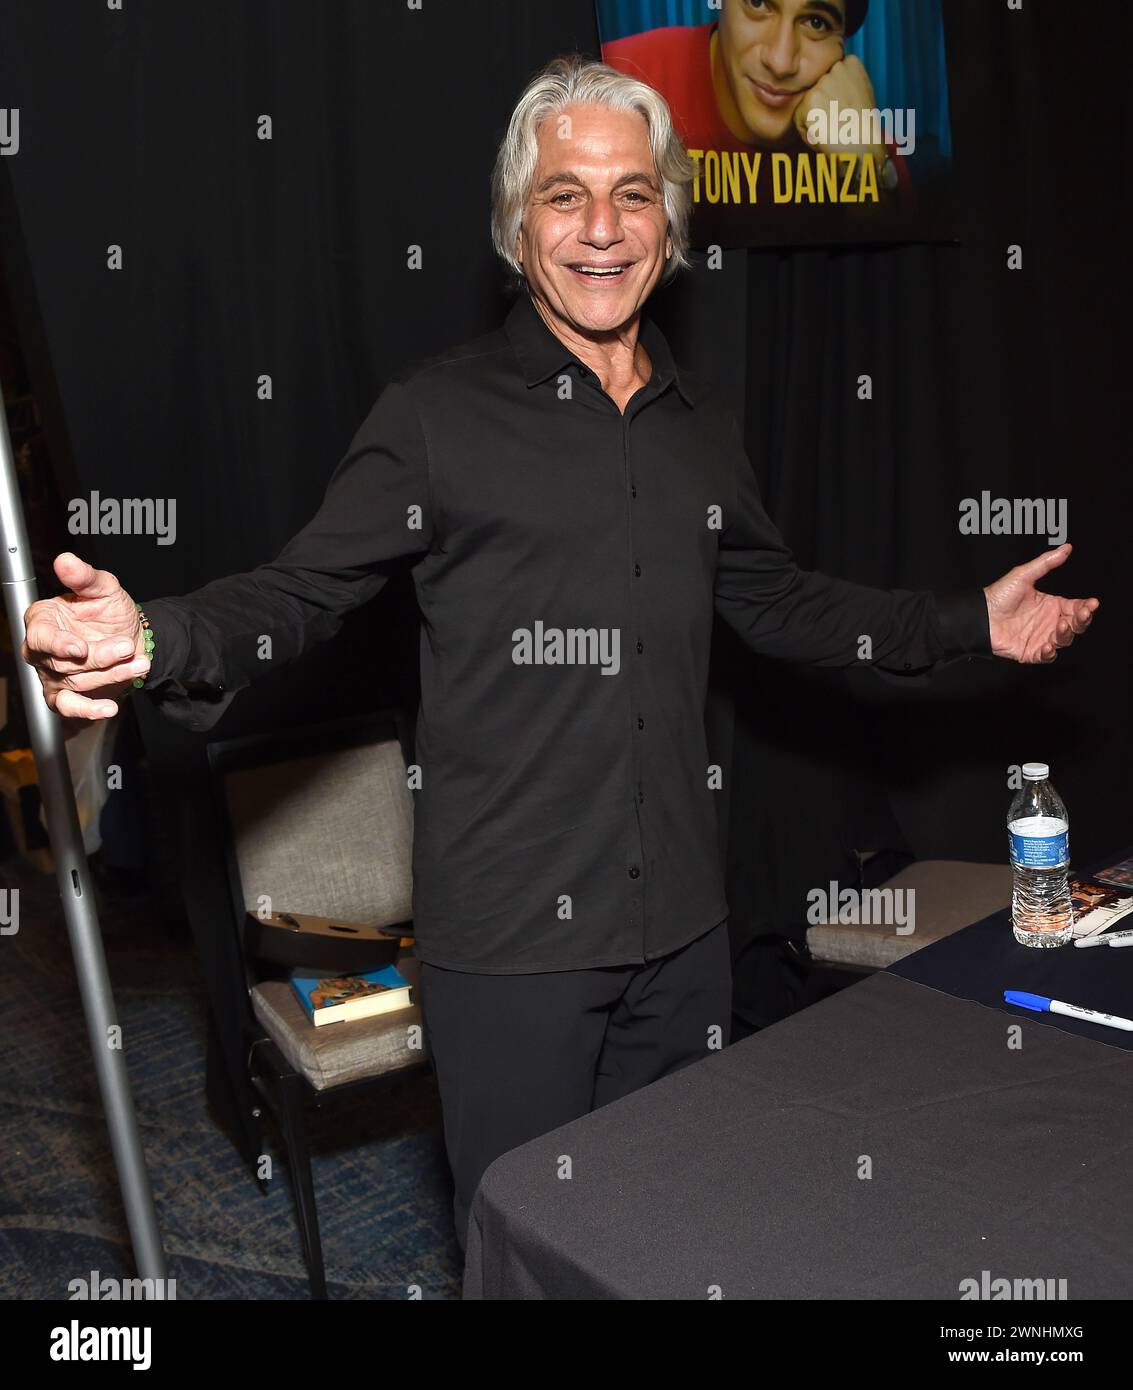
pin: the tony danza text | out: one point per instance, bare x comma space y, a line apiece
729, 176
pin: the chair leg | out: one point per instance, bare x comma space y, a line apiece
299, 1161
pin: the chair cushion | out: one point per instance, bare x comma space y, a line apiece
950, 894
340, 1052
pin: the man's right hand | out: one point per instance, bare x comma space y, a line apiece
86, 645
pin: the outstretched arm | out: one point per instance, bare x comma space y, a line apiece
783, 611
209, 644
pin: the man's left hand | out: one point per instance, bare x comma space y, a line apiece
1029, 626
848, 84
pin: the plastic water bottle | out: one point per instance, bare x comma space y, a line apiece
1038, 830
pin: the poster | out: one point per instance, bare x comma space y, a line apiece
807, 121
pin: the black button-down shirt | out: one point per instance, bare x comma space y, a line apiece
568, 559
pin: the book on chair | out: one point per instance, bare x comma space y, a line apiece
344, 998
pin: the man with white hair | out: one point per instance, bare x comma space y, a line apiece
575, 510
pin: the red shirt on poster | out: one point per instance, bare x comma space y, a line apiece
676, 62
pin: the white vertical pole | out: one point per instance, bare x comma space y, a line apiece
75, 886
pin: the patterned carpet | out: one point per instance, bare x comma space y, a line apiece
382, 1184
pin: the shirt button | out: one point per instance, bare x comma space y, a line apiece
633, 491
640, 722
640, 797
637, 570
635, 872
640, 648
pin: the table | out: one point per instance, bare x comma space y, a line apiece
745, 1173
983, 960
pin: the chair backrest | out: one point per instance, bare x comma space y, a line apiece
320, 820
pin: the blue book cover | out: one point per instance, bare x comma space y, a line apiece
320, 995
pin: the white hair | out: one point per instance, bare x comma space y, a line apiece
570, 81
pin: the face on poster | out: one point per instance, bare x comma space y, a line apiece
807, 121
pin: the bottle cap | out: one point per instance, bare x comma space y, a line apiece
1035, 772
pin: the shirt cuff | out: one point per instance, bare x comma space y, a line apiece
170, 642
196, 709
965, 629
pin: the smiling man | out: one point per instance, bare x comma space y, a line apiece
589, 289
558, 475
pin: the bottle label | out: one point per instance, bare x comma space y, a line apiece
1039, 842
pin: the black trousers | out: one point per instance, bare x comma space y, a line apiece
518, 1055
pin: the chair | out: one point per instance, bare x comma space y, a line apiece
319, 820
950, 894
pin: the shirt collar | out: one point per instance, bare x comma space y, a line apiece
541, 354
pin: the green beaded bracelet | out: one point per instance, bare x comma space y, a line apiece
147, 640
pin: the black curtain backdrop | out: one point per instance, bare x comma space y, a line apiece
288, 257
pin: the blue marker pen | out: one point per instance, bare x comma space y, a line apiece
1041, 1004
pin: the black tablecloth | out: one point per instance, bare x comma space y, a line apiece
742, 1172
984, 959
